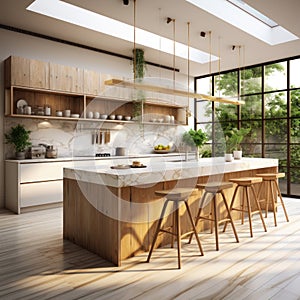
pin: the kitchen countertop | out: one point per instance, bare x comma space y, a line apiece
164, 171
82, 158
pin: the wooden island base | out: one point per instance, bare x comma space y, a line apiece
119, 222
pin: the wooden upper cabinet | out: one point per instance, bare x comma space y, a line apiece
39, 74
65, 78
17, 70
92, 83
26, 72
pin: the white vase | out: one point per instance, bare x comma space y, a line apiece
237, 154
228, 157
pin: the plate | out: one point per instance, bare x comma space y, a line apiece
162, 151
141, 166
21, 103
120, 167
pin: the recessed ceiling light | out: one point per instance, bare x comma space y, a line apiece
85, 18
246, 18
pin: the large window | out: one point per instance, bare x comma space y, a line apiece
271, 93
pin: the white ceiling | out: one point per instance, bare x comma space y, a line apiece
151, 16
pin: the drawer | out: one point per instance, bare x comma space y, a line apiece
39, 193
42, 171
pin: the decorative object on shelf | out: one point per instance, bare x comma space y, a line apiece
19, 137
51, 152
233, 139
67, 113
195, 138
162, 149
47, 110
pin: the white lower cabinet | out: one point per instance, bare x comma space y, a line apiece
33, 184
39, 183
39, 193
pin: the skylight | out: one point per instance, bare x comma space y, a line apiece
246, 18
85, 18
253, 12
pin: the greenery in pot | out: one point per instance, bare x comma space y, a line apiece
18, 136
234, 137
195, 138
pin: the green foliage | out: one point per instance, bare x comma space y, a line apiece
139, 68
139, 65
234, 137
194, 138
18, 136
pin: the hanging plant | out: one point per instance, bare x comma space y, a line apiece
139, 65
139, 68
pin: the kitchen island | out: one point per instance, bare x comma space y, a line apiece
114, 212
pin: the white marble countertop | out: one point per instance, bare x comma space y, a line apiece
164, 171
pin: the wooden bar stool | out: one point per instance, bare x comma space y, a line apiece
175, 196
209, 196
246, 184
270, 181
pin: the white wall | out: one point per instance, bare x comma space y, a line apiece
19, 44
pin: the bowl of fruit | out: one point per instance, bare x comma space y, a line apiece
162, 148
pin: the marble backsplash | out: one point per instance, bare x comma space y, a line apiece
73, 138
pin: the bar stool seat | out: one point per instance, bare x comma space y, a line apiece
247, 185
175, 196
270, 181
209, 196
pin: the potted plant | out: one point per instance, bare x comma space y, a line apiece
195, 138
233, 140
18, 136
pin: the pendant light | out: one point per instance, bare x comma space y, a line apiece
161, 89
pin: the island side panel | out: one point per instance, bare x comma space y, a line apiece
87, 221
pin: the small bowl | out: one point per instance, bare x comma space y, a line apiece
153, 120
160, 120
112, 117
74, 115
103, 117
127, 118
119, 117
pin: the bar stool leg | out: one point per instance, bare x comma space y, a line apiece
178, 233
214, 200
194, 228
273, 201
231, 205
281, 200
249, 210
269, 189
157, 229
229, 216
259, 209
198, 215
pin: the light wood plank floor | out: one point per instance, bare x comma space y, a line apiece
36, 263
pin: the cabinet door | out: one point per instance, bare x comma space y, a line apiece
92, 83
42, 171
65, 78
39, 74
40, 193
17, 70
